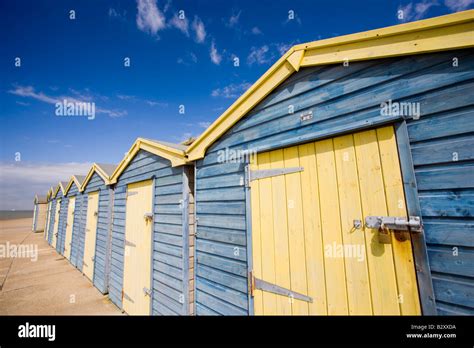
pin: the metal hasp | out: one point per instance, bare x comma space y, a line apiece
260, 284
386, 223
267, 173
413, 224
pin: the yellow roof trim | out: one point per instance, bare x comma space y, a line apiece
176, 156
95, 169
448, 32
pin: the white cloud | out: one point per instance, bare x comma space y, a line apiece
188, 59
20, 182
458, 5
256, 31
182, 24
259, 55
29, 92
199, 29
283, 48
149, 17
234, 19
231, 91
415, 11
216, 58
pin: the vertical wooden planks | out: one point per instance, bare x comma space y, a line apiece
402, 250
296, 231
314, 250
267, 238
331, 228
256, 238
357, 275
280, 231
381, 268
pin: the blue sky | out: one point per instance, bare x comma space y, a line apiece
174, 61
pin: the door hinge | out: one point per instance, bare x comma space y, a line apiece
251, 175
127, 243
131, 193
256, 283
385, 224
147, 291
125, 296
148, 217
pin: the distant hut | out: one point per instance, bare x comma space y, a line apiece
39, 213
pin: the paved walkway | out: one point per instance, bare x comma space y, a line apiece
48, 286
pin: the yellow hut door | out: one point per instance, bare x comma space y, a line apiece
313, 251
90, 235
56, 223
137, 257
69, 224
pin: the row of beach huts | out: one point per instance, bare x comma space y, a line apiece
340, 183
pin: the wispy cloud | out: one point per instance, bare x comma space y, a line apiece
149, 17
231, 91
29, 92
21, 181
458, 5
216, 58
188, 59
234, 19
199, 30
182, 24
259, 55
415, 11
256, 31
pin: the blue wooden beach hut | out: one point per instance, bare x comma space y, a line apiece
92, 226
151, 256
40, 210
341, 182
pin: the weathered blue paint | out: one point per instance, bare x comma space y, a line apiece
78, 225
443, 156
102, 242
51, 221
169, 290
62, 222
345, 100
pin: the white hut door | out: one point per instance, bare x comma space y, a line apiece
91, 231
137, 256
69, 224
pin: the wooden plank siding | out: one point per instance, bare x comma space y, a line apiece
102, 242
51, 221
74, 192
78, 231
62, 223
343, 100
170, 235
443, 156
